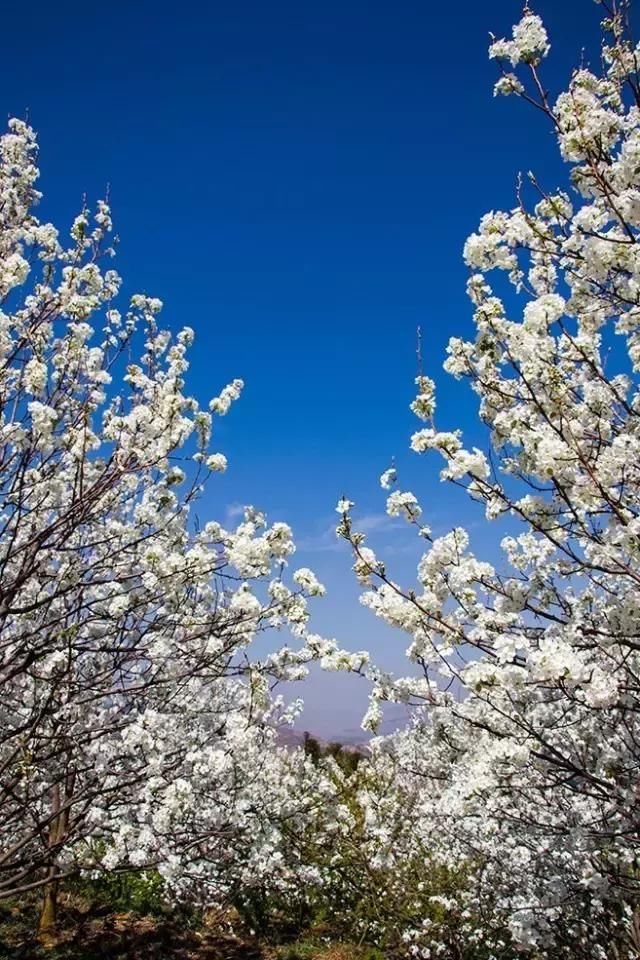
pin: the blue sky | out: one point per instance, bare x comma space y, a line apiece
296, 181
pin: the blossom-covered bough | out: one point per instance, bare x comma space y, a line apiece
531, 778
135, 728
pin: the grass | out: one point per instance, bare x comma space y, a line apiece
310, 950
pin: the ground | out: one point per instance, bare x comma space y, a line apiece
128, 936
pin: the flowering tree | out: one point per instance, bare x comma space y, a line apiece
134, 727
532, 778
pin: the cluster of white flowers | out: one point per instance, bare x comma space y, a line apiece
388, 478
522, 764
528, 45
217, 462
222, 403
136, 729
401, 504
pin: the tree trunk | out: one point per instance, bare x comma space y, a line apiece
60, 808
49, 911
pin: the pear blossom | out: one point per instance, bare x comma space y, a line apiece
138, 730
217, 462
388, 478
403, 504
517, 772
307, 579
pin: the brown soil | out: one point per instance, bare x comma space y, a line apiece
87, 934
129, 937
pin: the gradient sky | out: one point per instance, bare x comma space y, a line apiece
296, 180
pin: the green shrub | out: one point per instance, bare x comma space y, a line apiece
140, 892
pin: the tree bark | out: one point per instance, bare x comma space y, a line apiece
49, 910
57, 831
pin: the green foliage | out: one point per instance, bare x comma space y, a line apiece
141, 892
311, 949
299, 951
312, 748
348, 760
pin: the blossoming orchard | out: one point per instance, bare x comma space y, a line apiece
140, 734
